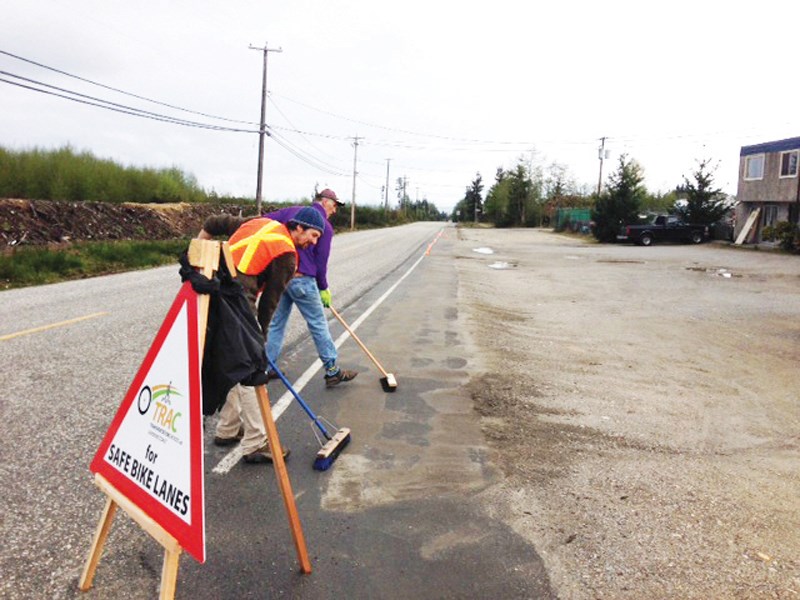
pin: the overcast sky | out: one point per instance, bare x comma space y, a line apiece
443, 89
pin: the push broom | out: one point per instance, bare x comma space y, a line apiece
388, 381
330, 450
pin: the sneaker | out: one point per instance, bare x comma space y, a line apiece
229, 441
263, 455
341, 376
271, 374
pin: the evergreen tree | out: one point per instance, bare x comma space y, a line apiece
705, 204
473, 203
519, 195
514, 199
496, 205
620, 203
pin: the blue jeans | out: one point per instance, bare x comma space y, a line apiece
303, 292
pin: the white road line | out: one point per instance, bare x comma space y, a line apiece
232, 457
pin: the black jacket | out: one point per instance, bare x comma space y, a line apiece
234, 346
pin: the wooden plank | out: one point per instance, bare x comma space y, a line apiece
283, 478
748, 225
137, 514
169, 575
100, 535
204, 254
226, 253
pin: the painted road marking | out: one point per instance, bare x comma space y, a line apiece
230, 459
51, 326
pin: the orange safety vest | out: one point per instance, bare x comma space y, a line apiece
258, 242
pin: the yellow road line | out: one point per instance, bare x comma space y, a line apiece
51, 326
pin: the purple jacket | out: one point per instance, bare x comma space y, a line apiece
313, 260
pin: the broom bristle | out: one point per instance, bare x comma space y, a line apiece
330, 451
389, 383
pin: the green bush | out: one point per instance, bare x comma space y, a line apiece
35, 266
70, 176
788, 235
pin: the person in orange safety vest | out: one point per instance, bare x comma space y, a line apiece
265, 254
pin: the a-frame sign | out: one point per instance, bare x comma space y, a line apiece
150, 461
153, 450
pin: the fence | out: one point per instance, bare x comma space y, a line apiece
577, 220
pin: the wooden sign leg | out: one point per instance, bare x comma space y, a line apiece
169, 574
283, 478
100, 535
172, 548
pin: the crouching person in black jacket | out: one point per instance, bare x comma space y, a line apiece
265, 254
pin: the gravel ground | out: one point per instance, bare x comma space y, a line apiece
643, 405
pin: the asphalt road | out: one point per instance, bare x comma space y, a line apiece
410, 529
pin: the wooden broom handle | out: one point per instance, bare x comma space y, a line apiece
283, 478
358, 341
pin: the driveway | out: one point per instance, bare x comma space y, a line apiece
643, 405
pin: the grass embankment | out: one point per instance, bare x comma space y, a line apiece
35, 265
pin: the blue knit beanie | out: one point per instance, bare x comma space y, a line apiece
309, 217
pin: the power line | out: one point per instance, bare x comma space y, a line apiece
289, 121
304, 156
113, 89
409, 132
165, 118
128, 110
99, 102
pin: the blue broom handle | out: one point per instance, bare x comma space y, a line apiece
289, 387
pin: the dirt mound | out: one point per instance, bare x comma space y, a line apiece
40, 222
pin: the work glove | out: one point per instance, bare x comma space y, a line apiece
325, 296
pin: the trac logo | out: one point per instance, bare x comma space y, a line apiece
164, 415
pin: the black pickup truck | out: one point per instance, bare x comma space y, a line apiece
664, 228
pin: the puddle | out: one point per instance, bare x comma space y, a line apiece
715, 271
622, 262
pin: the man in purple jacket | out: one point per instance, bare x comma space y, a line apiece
309, 291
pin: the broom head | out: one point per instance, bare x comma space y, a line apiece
389, 383
330, 451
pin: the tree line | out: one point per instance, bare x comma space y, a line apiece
67, 175
528, 196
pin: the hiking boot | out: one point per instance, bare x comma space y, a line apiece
341, 375
263, 455
230, 441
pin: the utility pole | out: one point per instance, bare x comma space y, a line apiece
263, 128
601, 155
355, 172
386, 199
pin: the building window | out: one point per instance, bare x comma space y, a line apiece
789, 163
770, 215
754, 167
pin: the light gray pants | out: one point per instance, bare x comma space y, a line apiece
241, 410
